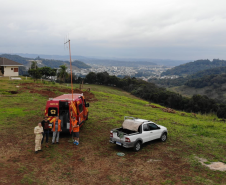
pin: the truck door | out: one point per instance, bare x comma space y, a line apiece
155, 131
80, 112
146, 133
64, 114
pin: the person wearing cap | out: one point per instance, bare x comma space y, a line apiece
38, 130
56, 130
45, 125
75, 129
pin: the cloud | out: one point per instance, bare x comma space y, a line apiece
115, 27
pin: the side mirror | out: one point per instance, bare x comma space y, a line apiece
87, 105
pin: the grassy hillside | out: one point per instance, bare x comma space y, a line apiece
95, 161
214, 92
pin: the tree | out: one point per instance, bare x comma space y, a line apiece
35, 73
91, 78
221, 112
102, 78
74, 78
79, 80
113, 80
62, 74
47, 72
34, 65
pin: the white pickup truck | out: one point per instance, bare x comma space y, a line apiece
134, 132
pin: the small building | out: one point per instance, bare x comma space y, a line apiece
11, 68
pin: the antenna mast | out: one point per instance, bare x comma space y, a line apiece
68, 41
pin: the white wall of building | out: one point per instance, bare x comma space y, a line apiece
9, 71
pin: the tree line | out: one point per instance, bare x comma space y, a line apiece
210, 80
43, 72
151, 92
49, 73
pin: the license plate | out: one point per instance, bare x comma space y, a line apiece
117, 143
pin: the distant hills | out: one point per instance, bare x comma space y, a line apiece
110, 61
208, 73
193, 80
44, 62
194, 67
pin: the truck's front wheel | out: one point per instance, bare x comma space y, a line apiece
137, 146
163, 137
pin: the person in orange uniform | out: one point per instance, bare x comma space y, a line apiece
56, 130
75, 129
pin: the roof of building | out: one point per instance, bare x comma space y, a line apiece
8, 62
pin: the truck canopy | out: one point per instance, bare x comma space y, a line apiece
132, 123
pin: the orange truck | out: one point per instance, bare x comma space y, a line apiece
65, 107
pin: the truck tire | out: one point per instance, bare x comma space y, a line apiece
163, 137
137, 146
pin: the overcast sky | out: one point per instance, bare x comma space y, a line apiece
163, 29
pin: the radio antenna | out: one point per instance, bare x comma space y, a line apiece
68, 42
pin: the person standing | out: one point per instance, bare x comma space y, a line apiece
56, 130
75, 129
45, 125
38, 137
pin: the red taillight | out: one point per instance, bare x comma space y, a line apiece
127, 139
111, 134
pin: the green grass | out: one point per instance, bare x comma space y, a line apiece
200, 133
189, 136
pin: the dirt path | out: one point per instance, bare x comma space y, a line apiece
51, 92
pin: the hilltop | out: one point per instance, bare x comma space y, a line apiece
95, 161
194, 67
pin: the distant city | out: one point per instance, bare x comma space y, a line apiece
144, 69
143, 72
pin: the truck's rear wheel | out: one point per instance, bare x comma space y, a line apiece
137, 146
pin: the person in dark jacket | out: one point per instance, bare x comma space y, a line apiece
45, 125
